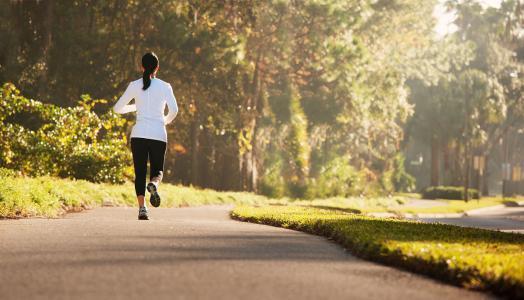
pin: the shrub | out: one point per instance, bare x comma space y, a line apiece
272, 183
386, 181
297, 146
7, 173
395, 178
336, 178
448, 192
67, 142
402, 180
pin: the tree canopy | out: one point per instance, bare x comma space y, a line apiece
273, 94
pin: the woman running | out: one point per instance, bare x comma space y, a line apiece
149, 136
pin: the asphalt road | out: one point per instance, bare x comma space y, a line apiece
509, 219
189, 253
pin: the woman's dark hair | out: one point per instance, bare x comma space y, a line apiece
149, 62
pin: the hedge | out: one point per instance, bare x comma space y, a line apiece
448, 192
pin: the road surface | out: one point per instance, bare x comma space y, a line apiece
190, 253
509, 219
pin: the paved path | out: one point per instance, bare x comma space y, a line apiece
510, 219
189, 253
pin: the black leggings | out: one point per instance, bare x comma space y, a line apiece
142, 149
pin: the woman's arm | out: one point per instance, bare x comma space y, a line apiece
122, 106
171, 105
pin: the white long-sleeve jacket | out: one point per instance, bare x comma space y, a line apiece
149, 105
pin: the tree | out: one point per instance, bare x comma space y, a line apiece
483, 113
473, 91
297, 144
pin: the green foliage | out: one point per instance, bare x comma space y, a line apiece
454, 206
477, 103
336, 178
473, 258
220, 59
23, 196
402, 180
398, 204
448, 192
354, 204
348, 61
297, 145
386, 181
272, 184
70, 142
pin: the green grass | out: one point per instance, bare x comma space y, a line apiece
52, 197
473, 258
408, 195
397, 204
350, 204
458, 206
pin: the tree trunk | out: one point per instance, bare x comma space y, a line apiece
466, 149
195, 133
445, 162
254, 163
458, 178
248, 170
252, 103
466, 178
46, 48
212, 163
477, 182
485, 177
248, 159
435, 162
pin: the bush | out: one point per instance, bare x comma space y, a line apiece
336, 178
395, 178
448, 192
402, 180
67, 142
272, 183
296, 145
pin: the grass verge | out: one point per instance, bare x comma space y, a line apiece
348, 204
472, 258
458, 206
397, 204
51, 197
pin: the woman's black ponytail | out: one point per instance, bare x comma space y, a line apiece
146, 79
150, 63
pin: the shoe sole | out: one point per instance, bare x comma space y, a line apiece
143, 217
155, 197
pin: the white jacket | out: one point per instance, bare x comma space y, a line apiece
149, 105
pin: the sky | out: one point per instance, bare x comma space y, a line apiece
445, 19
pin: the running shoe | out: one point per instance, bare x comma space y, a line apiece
155, 197
142, 213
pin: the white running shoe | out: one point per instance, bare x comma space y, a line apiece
142, 213
155, 197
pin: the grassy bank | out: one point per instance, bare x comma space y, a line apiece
397, 204
349, 204
473, 258
51, 197
459, 206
